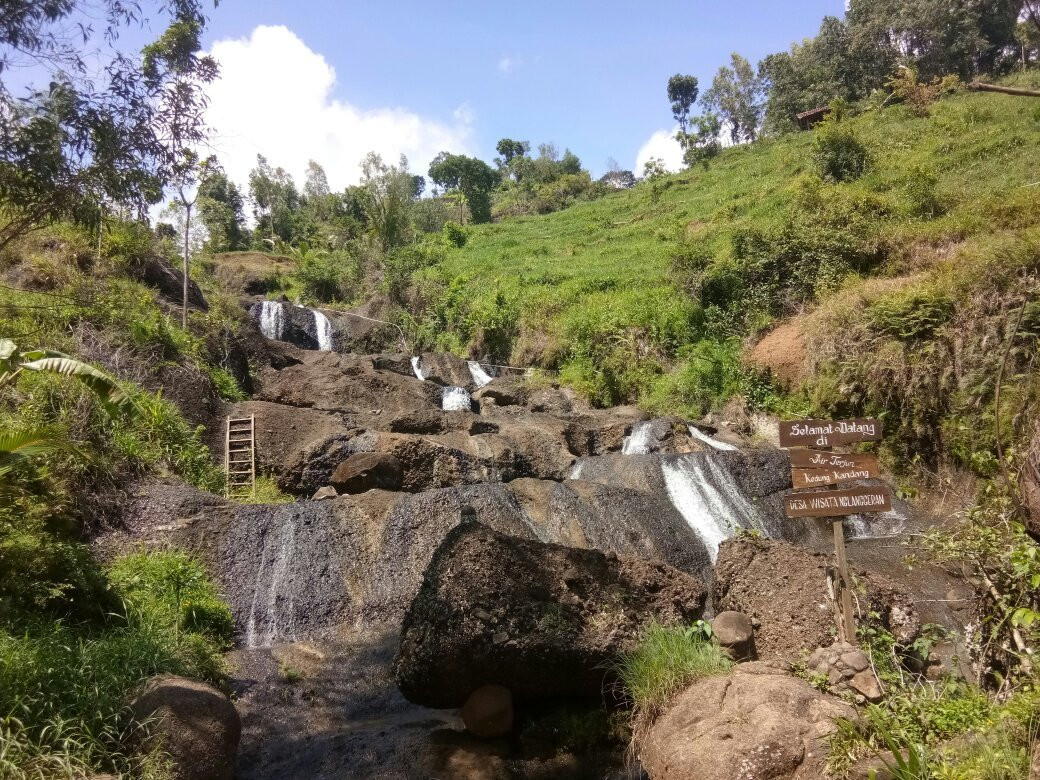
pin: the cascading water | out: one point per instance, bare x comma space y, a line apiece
455, 399
480, 376
701, 436
323, 328
417, 368
638, 441
708, 498
264, 625
272, 320
576, 469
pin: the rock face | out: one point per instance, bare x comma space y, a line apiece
541, 619
734, 632
196, 725
159, 273
783, 589
758, 723
367, 470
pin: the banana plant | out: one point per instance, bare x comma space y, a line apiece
13, 361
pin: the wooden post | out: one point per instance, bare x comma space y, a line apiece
847, 626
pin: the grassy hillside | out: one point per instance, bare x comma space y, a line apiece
652, 294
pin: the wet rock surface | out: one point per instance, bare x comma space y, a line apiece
543, 620
757, 723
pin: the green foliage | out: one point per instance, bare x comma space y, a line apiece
837, 152
735, 97
471, 177
667, 659
922, 200
454, 233
911, 314
64, 686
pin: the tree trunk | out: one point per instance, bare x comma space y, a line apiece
187, 231
979, 86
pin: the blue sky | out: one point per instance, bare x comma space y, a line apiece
333, 80
586, 75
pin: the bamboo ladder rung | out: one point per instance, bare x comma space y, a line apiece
240, 457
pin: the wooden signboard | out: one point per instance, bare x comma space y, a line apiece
834, 503
810, 478
815, 459
828, 433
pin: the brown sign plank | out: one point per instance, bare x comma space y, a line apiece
828, 433
808, 478
815, 459
833, 503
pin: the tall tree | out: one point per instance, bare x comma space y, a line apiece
682, 93
389, 192
92, 137
735, 96
220, 210
472, 178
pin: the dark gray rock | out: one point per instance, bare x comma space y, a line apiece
367, 470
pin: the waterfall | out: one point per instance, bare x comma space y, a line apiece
701, 436
576, 469
323, 328
272, 320
637, 442
480, 376
417, 368
708, 498
262, 628
455, 399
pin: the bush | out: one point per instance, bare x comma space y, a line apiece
921, 197
667, 660
64, 686
326, 276
454, 233
837, 153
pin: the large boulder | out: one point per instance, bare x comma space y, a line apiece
159, 273
196, 725
757, 723
366, 471
783, 589
541, 619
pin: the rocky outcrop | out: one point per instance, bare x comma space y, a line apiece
847, 670
195, 724
541, 619
159, 273
757, 723
366, 471
783, 589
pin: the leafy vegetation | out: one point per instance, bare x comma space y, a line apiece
667, 660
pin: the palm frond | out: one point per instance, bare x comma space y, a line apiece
105, 387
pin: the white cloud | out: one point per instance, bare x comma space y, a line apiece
508, 64
661, 144
275, 97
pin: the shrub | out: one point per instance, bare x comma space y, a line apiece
837, 153
325, 276
454, 233
921, 196
667, 659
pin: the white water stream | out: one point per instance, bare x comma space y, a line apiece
262, 628
638, 441
272, 320
323, 328
480, 376
455, 399
417, 368
701, 436
709, 499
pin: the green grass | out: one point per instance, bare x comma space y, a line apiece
622, 294
64, 686
667, 660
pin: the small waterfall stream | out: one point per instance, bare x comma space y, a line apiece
417, 368
272, 320
638, 441
455, 399
701, 436
268, 620
480, 376
709, 499
323, 328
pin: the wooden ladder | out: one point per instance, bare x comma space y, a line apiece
240, 457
